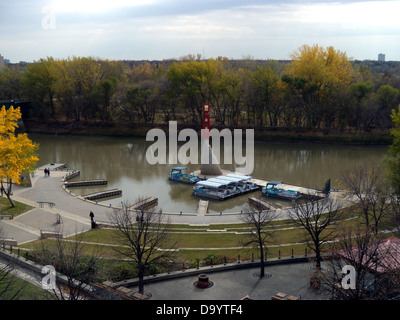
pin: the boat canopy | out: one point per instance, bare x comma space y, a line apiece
274, 183
218, 180
234, 175
211, 184
179, 168
231, 179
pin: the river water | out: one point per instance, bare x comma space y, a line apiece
122, 161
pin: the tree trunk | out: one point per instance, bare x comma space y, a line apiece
8, 192
262, 264
141, 276
318, 257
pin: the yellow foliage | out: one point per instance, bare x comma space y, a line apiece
323, 67
17, 152
8, 120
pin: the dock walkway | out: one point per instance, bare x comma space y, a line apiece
203, 207
145, 203
102, 194
85, 183
302, 190
262, 203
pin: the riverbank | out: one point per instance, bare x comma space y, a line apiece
293, 135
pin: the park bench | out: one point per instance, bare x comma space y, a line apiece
8, 241
6, 216
45, 234
284, 296
42, 203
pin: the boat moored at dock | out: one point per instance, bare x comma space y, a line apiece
272, 190
218, 190
179, 174
224, 186
245, 182
242, 183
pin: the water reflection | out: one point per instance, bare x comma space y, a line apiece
123, 162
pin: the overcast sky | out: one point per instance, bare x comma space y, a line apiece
163, 29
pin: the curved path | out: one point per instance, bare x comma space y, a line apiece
74, 211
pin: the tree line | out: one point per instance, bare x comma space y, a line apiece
319, 88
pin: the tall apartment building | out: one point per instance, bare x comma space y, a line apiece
1, 60
381, 57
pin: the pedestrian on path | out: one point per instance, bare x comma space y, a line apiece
91, 214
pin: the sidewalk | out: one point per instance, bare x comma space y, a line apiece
74, 211
292, 279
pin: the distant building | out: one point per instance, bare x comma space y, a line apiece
1, 60
381, 57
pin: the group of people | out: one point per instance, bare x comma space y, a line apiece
46, 172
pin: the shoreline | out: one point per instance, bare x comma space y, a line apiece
275, 135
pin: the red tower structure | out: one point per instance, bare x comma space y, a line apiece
206, 120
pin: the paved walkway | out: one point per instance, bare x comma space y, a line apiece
74, 211
292, 279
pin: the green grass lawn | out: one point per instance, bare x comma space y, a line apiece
6, 208
21, 290
205, 244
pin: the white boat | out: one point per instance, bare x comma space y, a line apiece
218, 190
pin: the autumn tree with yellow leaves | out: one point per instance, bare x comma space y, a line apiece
315, 77
17, 151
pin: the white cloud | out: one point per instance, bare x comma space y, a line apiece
158, 29
94, 6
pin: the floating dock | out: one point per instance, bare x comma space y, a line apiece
54, 166
85, 183
303, 190
203, 207
262, 183
262, 203
72, 174
142, 204
102, 194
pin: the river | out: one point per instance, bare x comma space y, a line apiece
122, 161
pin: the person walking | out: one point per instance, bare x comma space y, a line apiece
91, 214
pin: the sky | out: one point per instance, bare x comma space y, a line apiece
169, 29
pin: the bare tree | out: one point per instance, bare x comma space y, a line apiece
317, 217
259, 220
144, 238
387, 284
368, 190
74, 261
357, 248
376, 266
394, 215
